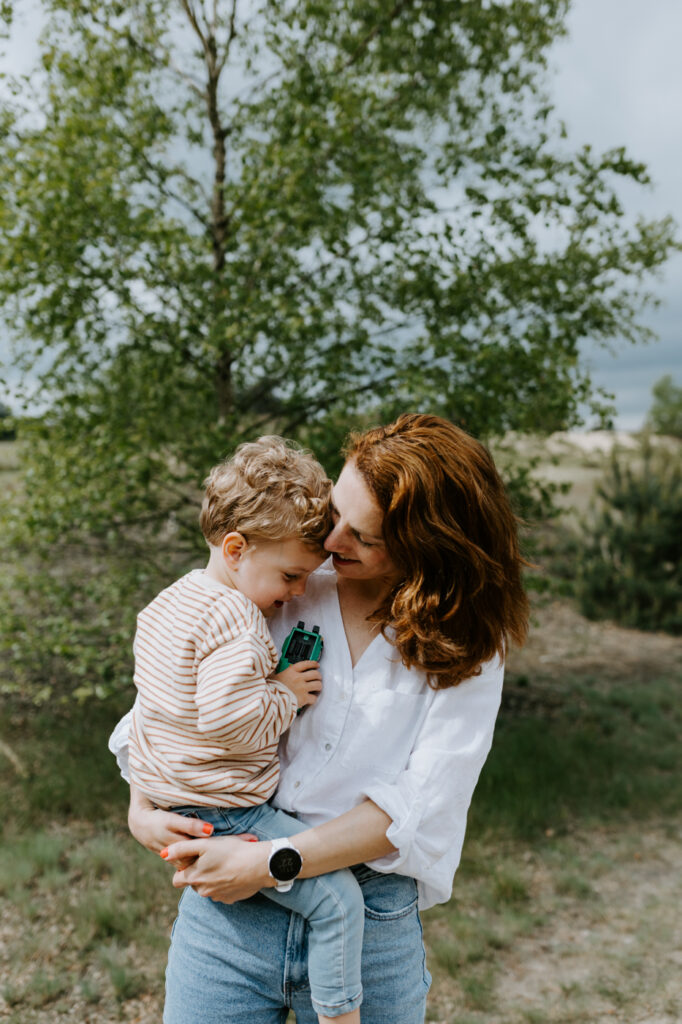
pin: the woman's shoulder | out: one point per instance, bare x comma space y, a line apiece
483, 688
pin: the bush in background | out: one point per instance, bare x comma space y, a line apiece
665, 415
630, 565
7, 429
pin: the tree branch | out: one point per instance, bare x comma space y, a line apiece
169, 194
168, 63
326, 400
219, 222
230, 37
362, 47
194, 22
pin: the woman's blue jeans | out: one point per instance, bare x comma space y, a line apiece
248, 961
332, 904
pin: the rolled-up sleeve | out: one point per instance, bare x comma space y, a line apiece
428, 801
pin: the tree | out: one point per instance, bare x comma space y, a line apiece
222, 218
665, 415
225, 217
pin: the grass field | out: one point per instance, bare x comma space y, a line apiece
565, 909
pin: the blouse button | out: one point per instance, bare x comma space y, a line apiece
327, 746
297, 784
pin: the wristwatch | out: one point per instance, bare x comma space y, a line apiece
284, 864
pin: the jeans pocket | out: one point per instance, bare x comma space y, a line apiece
391, 915
389, 897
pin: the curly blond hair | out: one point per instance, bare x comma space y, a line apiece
270, 489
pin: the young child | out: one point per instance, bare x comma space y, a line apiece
209, 712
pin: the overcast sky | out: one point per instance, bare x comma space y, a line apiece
616, 80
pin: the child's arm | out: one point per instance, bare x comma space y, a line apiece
237, 705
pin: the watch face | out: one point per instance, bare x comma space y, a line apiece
285, 864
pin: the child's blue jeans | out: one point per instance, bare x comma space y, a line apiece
332, 904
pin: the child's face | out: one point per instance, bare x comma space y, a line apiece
271, 572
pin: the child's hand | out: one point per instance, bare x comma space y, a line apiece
155, 828
304, 681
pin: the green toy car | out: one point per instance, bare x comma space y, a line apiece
301, 645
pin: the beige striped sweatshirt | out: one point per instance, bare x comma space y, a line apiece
207, 719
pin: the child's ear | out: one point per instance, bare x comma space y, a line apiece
233, 547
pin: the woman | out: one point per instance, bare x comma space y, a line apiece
423, 599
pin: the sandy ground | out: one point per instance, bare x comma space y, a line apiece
562, 639
612, 952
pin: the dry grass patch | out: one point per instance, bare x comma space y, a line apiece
84, 919
607, 946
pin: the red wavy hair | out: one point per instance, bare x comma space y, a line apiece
449, 528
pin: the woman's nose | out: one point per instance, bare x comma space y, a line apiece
333, 538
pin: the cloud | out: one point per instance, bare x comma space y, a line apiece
617, 82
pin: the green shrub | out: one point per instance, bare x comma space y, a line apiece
630, 559
7, 429
67, 612
665, 415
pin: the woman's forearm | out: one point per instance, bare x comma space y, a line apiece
229, 870
357, 836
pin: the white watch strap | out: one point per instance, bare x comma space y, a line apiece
282, 843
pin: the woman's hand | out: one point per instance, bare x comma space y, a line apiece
226, 868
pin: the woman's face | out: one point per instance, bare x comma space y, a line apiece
356, 541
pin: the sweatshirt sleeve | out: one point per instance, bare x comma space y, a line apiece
429, 800
236, 702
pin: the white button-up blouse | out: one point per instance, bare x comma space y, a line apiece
379, 731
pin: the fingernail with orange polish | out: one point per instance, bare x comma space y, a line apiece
207, 829
163, 853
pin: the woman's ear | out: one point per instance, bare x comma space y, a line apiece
233, 548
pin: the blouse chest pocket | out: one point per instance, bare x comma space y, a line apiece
380, 731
